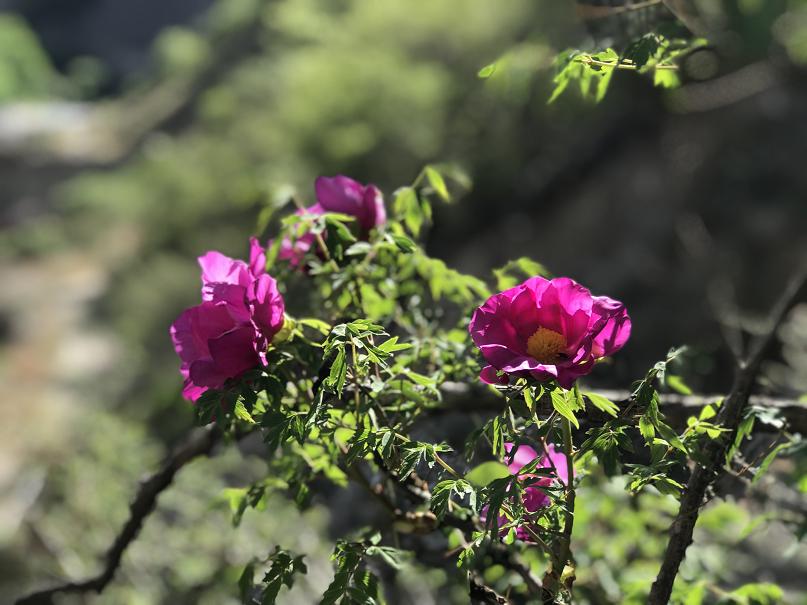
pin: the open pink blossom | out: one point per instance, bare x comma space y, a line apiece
228, 333
548, 330
343, 195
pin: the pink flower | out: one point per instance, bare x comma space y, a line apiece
547, 329
228, 333
534, 498
345, 196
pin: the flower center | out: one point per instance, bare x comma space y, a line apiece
546, 346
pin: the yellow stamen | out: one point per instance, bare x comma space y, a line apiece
546, 346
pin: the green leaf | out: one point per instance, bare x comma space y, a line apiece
646, 428
241, 412
563, 407
394, 557
759, 594
497, 428
516, 271
487, 71
666, 78
677, 384
671, 437
602, 403
441, 495
438, 183
245, 582
404, 243
766, 462
338, 373
348, 557
316, 324
486, 472
420, 379
282, 572
407, 206
358, 249
391, 345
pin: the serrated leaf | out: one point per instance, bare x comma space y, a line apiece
671, 437
338, 374
240, 411
563, 407
603, 403
394, 557
646, 428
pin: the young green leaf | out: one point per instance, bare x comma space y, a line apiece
563, 407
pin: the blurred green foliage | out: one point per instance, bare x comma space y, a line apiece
25, 70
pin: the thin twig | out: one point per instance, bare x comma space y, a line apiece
729, 417
199, 443
590, 11
482, 594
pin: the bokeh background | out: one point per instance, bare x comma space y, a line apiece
134, 136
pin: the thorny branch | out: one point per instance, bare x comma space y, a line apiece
199, 443
729, 417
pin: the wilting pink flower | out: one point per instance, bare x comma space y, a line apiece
534, 499
228, 333
345, 196
547, 329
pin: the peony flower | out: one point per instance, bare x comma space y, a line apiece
548, 330
534, 498
345, 196
228, 333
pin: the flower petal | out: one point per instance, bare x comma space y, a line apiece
374, 203
489, 375
556, 458
517, 460
220, 269
342, 194
257, 257
232, 353
616, 328
266, 305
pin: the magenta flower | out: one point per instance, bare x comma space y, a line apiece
345, 196
548, 330
228, 333
534, 498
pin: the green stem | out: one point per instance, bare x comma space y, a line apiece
446, 466
553, 580
356, 394
566, 543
